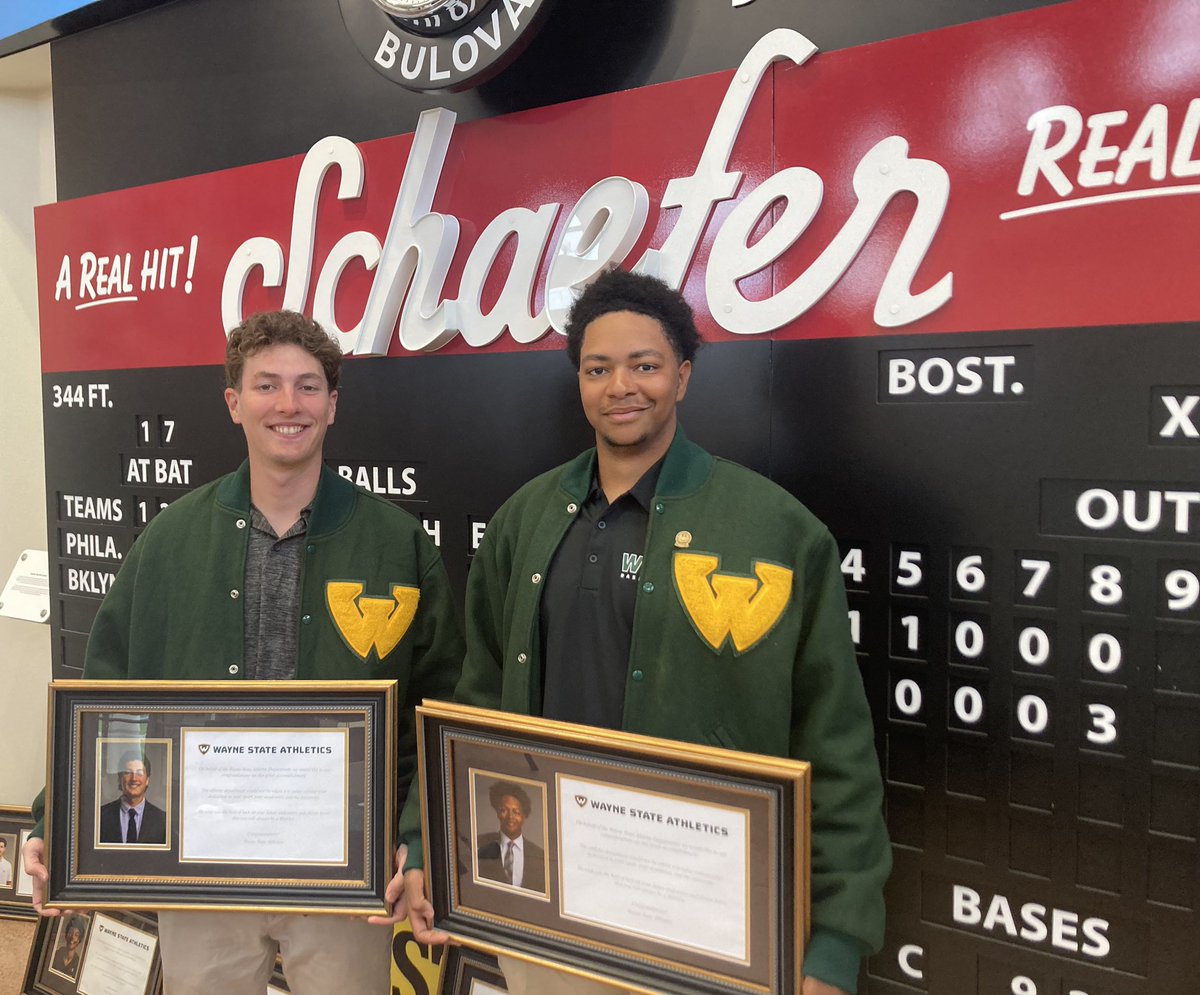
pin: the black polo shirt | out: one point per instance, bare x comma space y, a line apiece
587, 606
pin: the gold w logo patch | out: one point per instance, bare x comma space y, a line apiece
731, 606
365, 622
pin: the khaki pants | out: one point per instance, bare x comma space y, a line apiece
524, 978
233, 953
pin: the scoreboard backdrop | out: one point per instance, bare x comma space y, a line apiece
949, 302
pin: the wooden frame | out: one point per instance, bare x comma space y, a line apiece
652, 864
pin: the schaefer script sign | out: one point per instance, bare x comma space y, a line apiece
1002, 174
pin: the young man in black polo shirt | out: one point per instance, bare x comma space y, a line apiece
650, 587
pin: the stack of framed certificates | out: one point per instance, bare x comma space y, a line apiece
658, 865
471, 972
95, 953
104, 953
16, 887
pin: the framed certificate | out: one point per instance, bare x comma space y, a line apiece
95, 953
657, 865
16, 887
221, 795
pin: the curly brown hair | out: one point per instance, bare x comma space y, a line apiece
268, 328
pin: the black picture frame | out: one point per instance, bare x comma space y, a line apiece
277, 984
637, 830
47, 973
272, 796
466, 972
16, 899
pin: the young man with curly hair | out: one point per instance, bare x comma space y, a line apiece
244, 579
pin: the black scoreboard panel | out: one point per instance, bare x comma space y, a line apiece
1021, 551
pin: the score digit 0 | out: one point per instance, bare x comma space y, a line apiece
1033, 717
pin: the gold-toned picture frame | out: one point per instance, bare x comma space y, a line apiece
83, 952
255, 795
16, 887
670, 867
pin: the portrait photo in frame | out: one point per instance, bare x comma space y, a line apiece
133, 772
509, 816
8, 862
70, 941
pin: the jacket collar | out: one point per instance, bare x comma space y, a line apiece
330, 508
684, 471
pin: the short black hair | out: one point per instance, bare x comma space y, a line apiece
620, 290
508, 789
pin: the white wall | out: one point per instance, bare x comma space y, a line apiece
26, 179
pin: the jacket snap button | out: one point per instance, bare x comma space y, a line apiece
241, 523
521, 658
235, 594
233, 668
648, 587
638, 675
306, 619
536, 578
311, 548
572, 508
660, 507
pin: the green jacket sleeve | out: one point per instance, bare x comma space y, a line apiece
482, 681
482, 672
437, 662
39, 815
832, 729
107, 656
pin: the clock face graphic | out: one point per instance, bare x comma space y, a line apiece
441, 45
413, 9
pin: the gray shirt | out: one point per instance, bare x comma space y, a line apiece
272, 598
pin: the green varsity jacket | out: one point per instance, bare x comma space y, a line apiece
175, 610
740, 640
